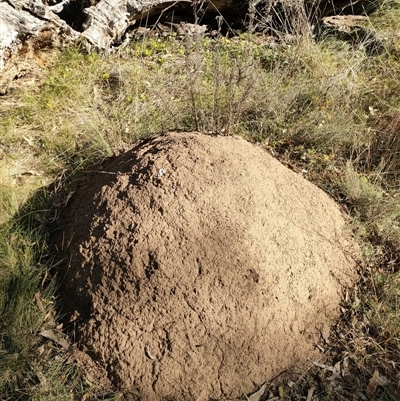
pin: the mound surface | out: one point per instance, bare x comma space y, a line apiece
200, 267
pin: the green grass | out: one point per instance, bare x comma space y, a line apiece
326, 107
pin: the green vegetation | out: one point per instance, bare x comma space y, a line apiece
329, 108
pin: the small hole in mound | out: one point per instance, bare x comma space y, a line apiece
253, 275
152, 267
200, 267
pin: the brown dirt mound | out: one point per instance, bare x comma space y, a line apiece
200, 267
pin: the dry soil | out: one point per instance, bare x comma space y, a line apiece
200, 267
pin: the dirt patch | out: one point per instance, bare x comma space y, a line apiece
200, 267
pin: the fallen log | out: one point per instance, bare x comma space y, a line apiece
26, 26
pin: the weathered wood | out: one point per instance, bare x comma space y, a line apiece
15, 24
108, 20
27, 25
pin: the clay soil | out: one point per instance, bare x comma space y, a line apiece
199, 267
